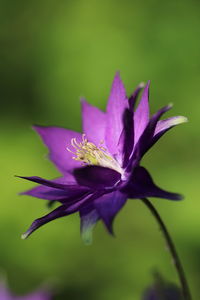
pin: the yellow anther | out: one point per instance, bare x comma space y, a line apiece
88, 153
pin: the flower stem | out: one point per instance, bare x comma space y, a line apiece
172, 249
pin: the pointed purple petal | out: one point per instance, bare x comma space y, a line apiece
94, 122
108, 206
45, 192
134, 96
141, 116
89, 218
96, 177
57, 140
50, 183
145, 141
164, 125
116, 106
141, 185
61, 211
55, 214
70, 192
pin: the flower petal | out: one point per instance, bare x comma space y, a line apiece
96, 177
141, 115
108, 206
141, 185
116, 106
94, 122
145, 141
61, 211
89, 218
45, 192
55, 214
57, 184
164, 125
51, 193
58, 140
134, 96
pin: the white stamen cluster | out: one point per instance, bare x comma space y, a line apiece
89, 154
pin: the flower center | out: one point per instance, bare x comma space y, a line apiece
89, 154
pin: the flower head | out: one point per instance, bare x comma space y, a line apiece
162, 289
101, 167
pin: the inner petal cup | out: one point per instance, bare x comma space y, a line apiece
97, 177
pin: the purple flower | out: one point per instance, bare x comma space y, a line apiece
101, 167
161, 289
5, 294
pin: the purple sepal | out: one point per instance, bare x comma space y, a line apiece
141, 185
52, 194
61, 211
108, 206
145, 141
50, 183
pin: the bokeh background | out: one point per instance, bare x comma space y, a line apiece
53, 52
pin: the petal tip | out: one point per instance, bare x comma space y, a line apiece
141, 85
178, 120
117, 77
182, 119
179, 197
83, 100
170, 105
24, 236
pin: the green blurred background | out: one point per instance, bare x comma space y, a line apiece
53, 52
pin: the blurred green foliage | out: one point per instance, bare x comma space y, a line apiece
53, 52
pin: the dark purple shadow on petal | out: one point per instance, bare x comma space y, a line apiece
134, 96
141, 185
126, 141
96, 177
108, 206
145, 140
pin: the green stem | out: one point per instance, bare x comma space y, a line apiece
172, 249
